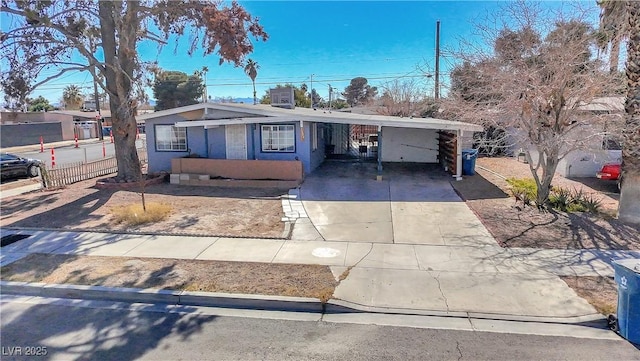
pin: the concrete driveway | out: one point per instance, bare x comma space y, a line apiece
413, 204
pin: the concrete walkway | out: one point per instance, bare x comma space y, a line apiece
478, 279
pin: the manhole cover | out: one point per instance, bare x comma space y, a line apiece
325, 252
12, 238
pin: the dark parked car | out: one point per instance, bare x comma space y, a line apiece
14, 166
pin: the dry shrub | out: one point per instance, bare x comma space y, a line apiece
133, 214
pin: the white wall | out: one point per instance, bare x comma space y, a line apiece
586, 163
409, 145
578, 163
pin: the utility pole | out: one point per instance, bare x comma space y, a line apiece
330, 93
96, 99
436, 95
204, 78
311, 92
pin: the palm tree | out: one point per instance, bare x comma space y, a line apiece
629, 206
72, 96
251, 69
613, 29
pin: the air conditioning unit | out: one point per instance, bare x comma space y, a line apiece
282, 98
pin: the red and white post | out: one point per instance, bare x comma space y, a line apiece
41, 144
137, 133
104, 150
75, 138
111, 135
53, 158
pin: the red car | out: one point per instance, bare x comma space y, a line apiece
610, 171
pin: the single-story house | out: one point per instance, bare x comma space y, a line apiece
209, 142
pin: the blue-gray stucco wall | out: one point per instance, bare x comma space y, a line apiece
217, 143
216, 147
161, 161
310, 159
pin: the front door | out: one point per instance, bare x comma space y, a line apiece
236, 139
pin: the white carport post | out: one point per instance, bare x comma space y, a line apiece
458, 154
379, 176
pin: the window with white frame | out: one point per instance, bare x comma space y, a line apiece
279, 138
170, 138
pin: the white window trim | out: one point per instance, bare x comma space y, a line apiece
175, 145
266, 147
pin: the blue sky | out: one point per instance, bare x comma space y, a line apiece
334, 40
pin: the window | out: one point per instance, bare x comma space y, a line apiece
278, 138
611, 142
170, 138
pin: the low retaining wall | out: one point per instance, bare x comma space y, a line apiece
204, 180
273, 170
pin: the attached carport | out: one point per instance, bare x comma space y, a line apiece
400, 139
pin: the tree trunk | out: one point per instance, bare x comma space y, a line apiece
549, 164
614, 57
629, 206
254, 92
119, 67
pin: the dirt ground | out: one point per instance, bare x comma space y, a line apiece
513, 225
600, 292
195, 210
173, 274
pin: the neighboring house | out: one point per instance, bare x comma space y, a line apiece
204, 141
601, 139
26, 128
604, 142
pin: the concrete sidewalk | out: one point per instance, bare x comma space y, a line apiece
414, 278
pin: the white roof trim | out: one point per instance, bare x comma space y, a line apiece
267, 114
413, 123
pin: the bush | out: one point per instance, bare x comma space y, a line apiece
523, 189
134, 215
562, 199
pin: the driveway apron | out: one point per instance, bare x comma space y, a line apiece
412, 243
409, 206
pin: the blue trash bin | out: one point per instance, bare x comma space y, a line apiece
627, 277
469, 161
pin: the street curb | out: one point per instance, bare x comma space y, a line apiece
335, 306
261, 302
125, 232
185, 298
288, 229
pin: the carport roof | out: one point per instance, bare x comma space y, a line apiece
268, 114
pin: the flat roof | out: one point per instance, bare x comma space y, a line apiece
262, 113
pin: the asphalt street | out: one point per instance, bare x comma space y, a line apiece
70, 154
149, 332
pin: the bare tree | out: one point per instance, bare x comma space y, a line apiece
102, 37
537, 81
406, 98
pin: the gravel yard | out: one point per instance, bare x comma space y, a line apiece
513, 225
195, 210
